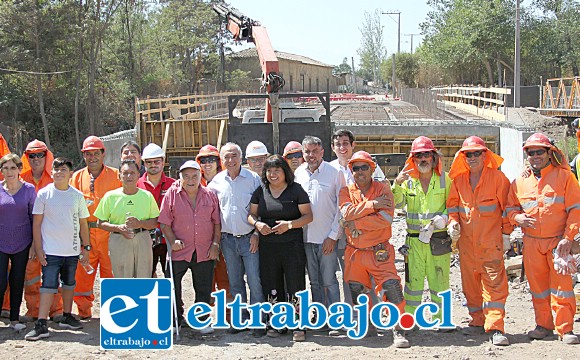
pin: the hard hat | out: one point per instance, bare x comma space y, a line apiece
92, 143
35, 146
152, 151
422, 144
292, 147
207, 150
190, 164
473, 143
362, 156
256, 148
538, 139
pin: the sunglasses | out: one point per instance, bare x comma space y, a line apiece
360, 168
473, 153
39, 155
208, 159
538, 152
153, 162
422, 155
296, 155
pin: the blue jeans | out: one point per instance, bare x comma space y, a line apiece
57, 268
322, 274
240, 261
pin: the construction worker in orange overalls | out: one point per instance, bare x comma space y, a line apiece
479, 224
93, 181
367, 213
546, 204
209, 161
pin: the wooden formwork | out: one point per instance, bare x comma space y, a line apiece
485, 102
561, 97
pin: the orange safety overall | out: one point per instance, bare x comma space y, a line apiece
482, 219
359, 256
554, 201
107, 180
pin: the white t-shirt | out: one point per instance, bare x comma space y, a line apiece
61, 226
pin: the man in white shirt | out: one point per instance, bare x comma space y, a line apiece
322, 182
234, 188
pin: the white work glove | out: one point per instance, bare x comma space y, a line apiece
426, 232
439, 221
454, 231
565, 265
506, 242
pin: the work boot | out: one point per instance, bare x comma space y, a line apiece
472, 330
498, 338
40, 331
539, 333
570, 339
5, 314
399, 339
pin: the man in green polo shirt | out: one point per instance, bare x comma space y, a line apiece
127, 213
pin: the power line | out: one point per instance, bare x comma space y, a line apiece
34, 72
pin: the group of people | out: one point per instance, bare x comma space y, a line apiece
282, 216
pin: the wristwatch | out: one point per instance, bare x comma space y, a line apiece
289, 225
87, 247
216, 244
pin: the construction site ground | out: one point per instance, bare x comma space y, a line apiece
425, 344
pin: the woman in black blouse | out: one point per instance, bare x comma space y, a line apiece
279, 209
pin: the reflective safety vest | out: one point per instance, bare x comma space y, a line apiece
421, 207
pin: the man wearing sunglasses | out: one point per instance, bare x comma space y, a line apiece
36, 170
155, 181
367, 210
477, 218
546, 205
423, 187
293, 154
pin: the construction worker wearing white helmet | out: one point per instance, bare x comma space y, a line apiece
256, 154
155, 181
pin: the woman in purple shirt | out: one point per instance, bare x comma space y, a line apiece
16, 203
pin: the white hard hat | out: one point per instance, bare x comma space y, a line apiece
256, 148
152, 151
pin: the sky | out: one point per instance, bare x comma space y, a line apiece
327, 30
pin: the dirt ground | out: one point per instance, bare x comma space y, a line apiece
84, 344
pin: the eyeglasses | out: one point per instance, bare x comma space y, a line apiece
473, 153
153, 162
422, 155
296, 155
360, 168
39, 155
538, 152
208, 159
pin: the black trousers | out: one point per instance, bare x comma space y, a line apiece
159, 256
282, 263
15, 279
202, 276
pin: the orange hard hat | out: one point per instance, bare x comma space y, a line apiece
292, 147
35, 146
473, 143
207, 150
422, 144
538, 139
362, 156
92, 143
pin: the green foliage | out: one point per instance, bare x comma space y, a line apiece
569, 145
372, 51
406, 68
343, 68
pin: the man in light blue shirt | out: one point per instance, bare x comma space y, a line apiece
234, 188
322, 182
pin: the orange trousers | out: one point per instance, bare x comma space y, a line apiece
98, 257
550, 291
32, 280
360, 265
485, 285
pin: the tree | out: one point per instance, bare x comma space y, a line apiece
343, 68
406, 68
372, 51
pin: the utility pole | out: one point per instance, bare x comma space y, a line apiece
353, 74
394, 79
517, 59
398, 13
411, 35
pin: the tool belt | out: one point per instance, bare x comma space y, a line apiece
380, 250
440, 243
